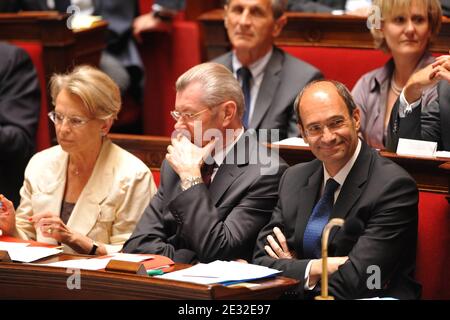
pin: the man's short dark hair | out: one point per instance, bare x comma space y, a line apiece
341, 89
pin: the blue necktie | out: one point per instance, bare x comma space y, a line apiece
318, 220
245, 75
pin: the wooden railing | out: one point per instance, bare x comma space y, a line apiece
431, 174
308, 29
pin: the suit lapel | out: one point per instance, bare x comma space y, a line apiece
308, 195
87, 209
233, 166
353, 186
268, 88
51, 191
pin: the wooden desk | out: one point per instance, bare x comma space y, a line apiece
62, 47
307, 29
22, 281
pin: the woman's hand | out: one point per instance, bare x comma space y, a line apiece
441, 68
7, 216
52, 226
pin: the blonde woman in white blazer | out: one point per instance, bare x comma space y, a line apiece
85, 193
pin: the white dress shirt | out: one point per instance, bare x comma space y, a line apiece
257, 70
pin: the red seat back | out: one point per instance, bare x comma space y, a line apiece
34, 50
346, 65
433, 247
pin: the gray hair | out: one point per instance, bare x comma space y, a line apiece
99, 93
278, 7
341, 89
218, 84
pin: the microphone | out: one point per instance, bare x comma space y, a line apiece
324, 279
352, 229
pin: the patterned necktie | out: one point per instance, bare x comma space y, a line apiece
245, 75
207, 171
318, 220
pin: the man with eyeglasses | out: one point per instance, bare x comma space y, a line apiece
19, 115
218, 184
270, 78
374, 254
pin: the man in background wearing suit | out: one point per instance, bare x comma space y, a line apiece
270, 78
210, 204
20, 101
348, 180
411, 120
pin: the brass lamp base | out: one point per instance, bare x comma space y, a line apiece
323, 298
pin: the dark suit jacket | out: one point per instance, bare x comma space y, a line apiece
445, 7
284, 77
19, 115
316, 5
221, 222
378, 193
430, 123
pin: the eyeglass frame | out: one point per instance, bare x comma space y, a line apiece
331, 127
53, 117
189, 116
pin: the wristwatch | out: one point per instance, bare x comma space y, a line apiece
94, 248
163, 13
190, 182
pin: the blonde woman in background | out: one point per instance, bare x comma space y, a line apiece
407, 28
86, 193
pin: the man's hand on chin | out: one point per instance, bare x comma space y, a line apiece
186, 158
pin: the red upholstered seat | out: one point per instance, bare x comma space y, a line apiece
346, 65
166, 56
34, 49
433, 247
156, 177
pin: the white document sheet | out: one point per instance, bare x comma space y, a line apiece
98, 263
294, 141
30, 254
220, 272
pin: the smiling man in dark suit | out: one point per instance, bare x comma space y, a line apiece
270, 77
348, 180
210, 204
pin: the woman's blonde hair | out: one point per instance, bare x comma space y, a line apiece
99, 93
392, 8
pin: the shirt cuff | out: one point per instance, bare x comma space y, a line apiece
406, 108
307, 286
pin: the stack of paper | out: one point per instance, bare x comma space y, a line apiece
221, 272
98, 263
293, 141
23, 253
